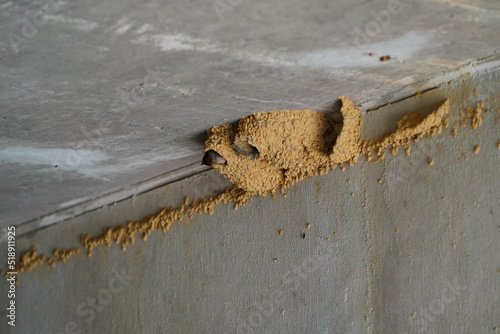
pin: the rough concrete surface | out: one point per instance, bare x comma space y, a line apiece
116, 95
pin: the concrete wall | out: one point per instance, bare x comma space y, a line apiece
416, 253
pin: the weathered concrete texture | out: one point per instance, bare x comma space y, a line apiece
100, 96
417, 253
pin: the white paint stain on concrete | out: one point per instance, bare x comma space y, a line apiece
176, 42
78, 23
87, 163
399, 48
84, 162
123, 29
274, 59
183, 42
122, 26
144, 28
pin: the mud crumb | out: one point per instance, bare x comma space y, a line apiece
308, 226
280, 232
463, 156
430, 161
62, 255
477, 149
29, 260
477, 116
